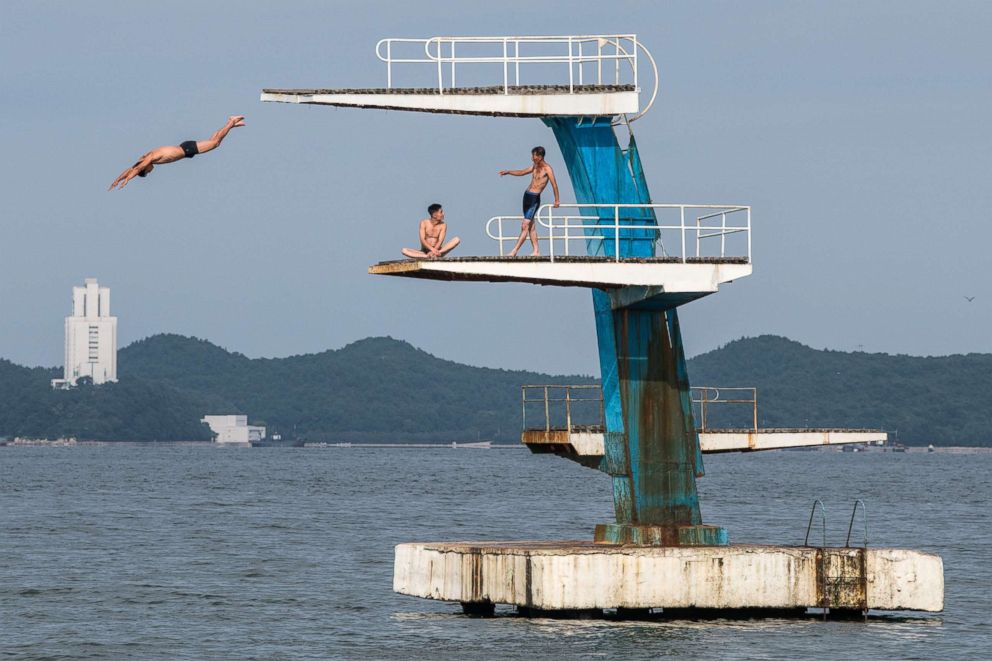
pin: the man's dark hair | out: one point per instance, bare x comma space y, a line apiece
432, 208
538, 150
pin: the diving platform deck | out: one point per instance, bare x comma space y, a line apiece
586, 445
694, 275
490, 101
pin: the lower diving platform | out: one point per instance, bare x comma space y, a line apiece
586, 446
567, 420
701, 275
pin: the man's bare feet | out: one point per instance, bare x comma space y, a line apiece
535, 254
236, 120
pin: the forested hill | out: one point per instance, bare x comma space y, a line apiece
381, 389
377, 389
945, 400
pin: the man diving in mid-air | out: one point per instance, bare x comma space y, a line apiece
172, 153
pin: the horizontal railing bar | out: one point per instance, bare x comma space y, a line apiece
729, 230
729, 210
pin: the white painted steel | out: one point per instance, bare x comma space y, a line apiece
562, 229
573, 575
522, 105
692, 278
438, 51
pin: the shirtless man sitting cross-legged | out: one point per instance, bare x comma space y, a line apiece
541, 173
432, 233
172, 153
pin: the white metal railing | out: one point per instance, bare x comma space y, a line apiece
571, 406
707, 396
708, 226
578, 52
580, 407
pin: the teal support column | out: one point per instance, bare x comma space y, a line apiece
651, 446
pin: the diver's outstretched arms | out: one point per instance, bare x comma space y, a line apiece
131, 172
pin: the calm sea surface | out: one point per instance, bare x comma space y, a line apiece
202, 552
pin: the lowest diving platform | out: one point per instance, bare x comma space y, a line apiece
567, 420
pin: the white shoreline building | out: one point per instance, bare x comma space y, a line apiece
90, 337
233, 429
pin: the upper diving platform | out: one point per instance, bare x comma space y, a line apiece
513, 76
687, 250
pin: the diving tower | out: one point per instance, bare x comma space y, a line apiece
641, 260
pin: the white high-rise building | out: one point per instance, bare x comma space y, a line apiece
90, 337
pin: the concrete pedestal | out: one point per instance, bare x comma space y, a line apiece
543, 577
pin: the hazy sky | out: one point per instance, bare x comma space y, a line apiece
858, 131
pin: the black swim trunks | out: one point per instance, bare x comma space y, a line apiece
531, 203
189, 148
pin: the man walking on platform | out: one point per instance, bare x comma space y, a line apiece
541, 173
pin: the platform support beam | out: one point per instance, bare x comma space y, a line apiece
652, 449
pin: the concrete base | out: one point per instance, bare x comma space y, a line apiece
583, 576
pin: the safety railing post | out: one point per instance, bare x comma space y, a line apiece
599, 61
580, 62
602, 409
568, 409
523, 405
389, 63
754, 409
682, 225
551, 232
616, 63
440, 71
633, 64
749, 235
702, 408
723, 235
516, 61
616, 232
452, 63
571, 85
506, 74
697, 235
547, 412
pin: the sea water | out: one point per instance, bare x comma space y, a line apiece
205, 552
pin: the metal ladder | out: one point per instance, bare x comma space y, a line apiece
828, 584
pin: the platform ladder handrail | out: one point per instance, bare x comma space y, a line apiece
823, 522
825, 605
624, 50
565, 228
704, 401
850, 526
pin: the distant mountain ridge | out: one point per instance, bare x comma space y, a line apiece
382, 389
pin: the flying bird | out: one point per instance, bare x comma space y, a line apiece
969, 298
